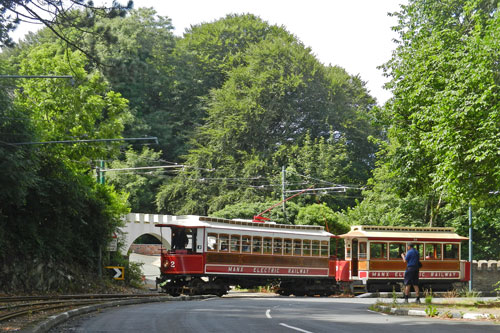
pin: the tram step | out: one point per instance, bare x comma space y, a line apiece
358, 289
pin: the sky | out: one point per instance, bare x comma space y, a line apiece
353, 34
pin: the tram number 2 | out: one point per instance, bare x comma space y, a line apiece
172, 264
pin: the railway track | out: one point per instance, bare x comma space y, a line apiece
20, 311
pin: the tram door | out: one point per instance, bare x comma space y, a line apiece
354, 258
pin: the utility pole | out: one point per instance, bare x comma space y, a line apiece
101, 172
470, 246
283, 188
100, 180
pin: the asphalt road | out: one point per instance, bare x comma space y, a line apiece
257, 314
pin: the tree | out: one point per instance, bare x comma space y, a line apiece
202, 61
62, 111
19, 170
445, 108
57, 16
276, 96
140, 65
320, 214
442, 137
142, 185
247, 210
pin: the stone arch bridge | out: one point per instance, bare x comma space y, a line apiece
138, 224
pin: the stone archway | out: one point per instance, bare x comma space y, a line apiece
138, 224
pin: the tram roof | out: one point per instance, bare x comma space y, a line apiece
403, 233
194, 221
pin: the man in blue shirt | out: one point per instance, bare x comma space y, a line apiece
412, 260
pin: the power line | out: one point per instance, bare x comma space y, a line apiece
340, 188
153, 138
36, 77
145, 168
348, 186
316, 179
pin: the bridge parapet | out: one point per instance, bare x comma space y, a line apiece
485, 275
138, 224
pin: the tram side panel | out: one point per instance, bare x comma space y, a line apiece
181, 262
257, 264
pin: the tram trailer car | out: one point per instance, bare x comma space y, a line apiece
219, 253
373, 258
208, 255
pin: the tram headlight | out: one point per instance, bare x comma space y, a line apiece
166, 263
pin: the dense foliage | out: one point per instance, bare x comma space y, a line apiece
277, 105
49, 197
443, 123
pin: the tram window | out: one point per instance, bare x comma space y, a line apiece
268, 245
287, 247
223, 243
245, 243
396, 249
450, 251
235, 243
212, 242
277, 246
324, 248
315, 248
362, 250
297, 247
378, 250
348, 250
306, 247
433, 251
420, 249
257, 245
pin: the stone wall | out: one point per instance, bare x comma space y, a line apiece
146, 249
485, 273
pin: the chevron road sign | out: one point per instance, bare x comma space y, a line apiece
119, 272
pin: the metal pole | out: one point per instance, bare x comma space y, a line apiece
99, 264
100, 178
470, 246
283, 186
101, 172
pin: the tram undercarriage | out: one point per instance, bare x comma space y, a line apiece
220, 285
424, 285
193, 285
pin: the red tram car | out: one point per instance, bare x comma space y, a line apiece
209, 255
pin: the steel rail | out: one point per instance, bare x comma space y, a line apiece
14, 314
80, 296
56, 302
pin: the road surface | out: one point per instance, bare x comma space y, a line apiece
264, 314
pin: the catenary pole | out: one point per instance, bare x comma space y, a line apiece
283, 187
470, 246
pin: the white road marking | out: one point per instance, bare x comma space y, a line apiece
268, 314
295, 328
381, 313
